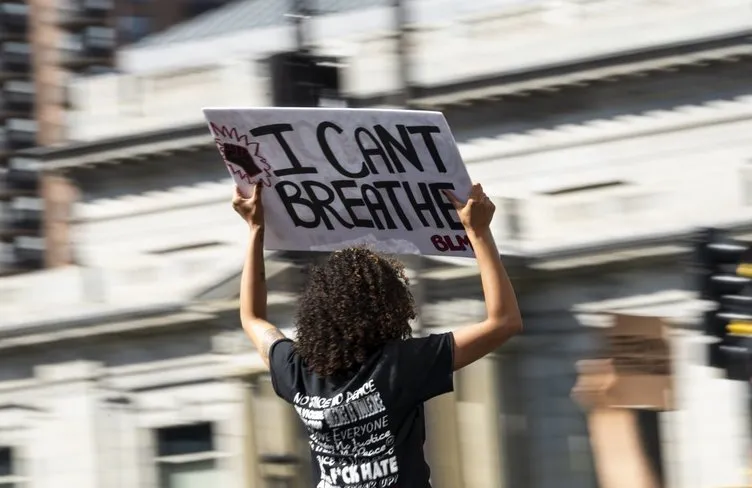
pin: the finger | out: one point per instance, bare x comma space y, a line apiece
257, 188
476, 192
453, 199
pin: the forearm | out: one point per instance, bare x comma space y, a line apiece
253, 295
500, 298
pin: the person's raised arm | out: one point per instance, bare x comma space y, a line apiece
503, 318
253, 280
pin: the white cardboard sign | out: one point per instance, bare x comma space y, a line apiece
340, 177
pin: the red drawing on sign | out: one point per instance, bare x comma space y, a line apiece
241, 155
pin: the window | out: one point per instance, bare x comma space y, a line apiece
98, 4
186, 457
6, 462
20, 48
70, 42
195, 474
9, 472
15, 9
26, 214
132, 28
100, 37
7, 257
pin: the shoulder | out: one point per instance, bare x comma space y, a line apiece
421, 367
284, 367
284, 345
428, 341
417, 348
282, 353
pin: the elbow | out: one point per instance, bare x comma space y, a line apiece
516, 326
512, 325
247, 320
252, 314
506, 326
515, 323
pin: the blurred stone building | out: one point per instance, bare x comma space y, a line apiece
44, 46
603, 150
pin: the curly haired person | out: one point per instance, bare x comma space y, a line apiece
355, 375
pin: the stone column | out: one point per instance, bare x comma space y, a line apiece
118, 446
277, 439
442, 442
478, 424
68, 442
237, 437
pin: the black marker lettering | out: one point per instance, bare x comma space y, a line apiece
425, 131
446, 207
324, 203
375, 204
329, 154
351, 203
427, 205
290, 195
277, 130
405, 147
389, 187
370, 153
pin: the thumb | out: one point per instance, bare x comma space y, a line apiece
453, 199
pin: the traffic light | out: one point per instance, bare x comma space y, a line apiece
302, 79
723, 268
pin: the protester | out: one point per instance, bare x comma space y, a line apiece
356, 377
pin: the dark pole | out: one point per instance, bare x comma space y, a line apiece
301, 13
403, 52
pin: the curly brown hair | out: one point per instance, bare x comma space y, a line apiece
353, 304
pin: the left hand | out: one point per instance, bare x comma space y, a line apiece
251, 209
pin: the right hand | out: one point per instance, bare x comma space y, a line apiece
477, 212
250, 208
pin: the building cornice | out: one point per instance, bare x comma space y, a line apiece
528, 270
730, 47
194, 137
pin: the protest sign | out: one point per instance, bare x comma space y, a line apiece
340, 177
636, 371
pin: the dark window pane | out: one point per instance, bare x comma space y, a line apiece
185, 439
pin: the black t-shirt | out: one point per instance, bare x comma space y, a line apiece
367, 431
